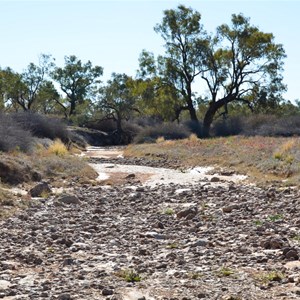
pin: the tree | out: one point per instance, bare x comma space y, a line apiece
22, 89
118, 101
47, 99
11, 87
239, 62
77, 80
185, 41
33, 78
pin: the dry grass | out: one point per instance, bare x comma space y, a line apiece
9, 202
264, 159
58, 148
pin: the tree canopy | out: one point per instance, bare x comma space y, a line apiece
200, 76
238, 63
77, 80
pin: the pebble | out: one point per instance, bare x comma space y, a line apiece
103, 242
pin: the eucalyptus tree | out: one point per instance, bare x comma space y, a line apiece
185, 41
241, 63
11, 89
79, 81
118, 101
22, 89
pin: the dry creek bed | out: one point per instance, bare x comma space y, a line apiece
202, 236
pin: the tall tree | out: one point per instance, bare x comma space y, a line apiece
77, 80
20, 90
240, 61
185, 41
33, 78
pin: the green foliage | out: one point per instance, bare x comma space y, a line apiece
239, 64
275, 218
129, 275
185, 42
156, 99
118, 102
266, 277
47, 99
77, 80
225, 271
169, 211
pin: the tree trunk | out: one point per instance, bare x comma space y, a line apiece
208, 119
214, 106
190, 105
72, 107
193, 114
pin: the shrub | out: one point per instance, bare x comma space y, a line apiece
103, 125
58, 148
130, 131
169, 131
195, 127
227, 127
13, 137
42, 126
271, 125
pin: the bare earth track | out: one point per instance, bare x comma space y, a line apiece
187, 234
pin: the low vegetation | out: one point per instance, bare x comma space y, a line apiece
129, 275
264, 159
30, 151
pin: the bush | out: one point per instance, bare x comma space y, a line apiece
169, 131
42, 126
227, 127
103, 125
270, 125
13, 136
195, 127
130, 131
58, 148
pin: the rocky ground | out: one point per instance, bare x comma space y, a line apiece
207, 240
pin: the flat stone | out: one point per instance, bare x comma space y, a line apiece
68, 199
4, 285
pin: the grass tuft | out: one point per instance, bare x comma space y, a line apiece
58, 148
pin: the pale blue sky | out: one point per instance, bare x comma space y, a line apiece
112, 34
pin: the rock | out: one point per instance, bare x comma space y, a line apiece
64, 296
227, 209
130, 176
230, 208
273, 243
4, 285
215, 179
155, 235
68, 261
107, 292
67, 199
200, 243
188, 213
290, 253
41, 189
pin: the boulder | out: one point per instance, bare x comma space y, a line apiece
41, 189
